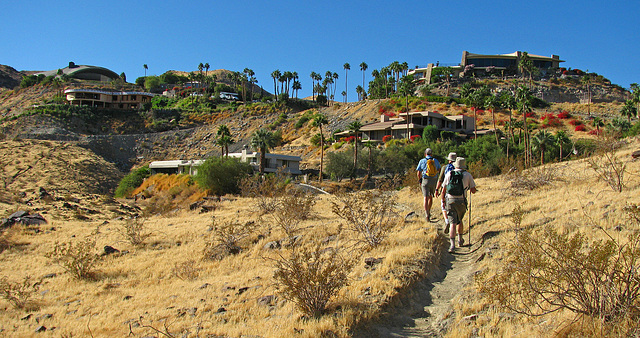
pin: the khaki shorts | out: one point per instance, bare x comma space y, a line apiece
456, 208
429, 186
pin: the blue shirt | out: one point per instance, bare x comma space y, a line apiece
422, 166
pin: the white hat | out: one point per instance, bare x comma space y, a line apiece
452, 157
460, 163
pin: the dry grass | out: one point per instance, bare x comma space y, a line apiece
573, 203
172, 289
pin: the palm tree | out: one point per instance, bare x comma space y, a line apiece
262, 140
370, 145
541, 141
200, 68
313, 77
628, 110
561, 139
296, 86
275, 75
360, 92
492, 102
363, 68
509, 102
318, 121
635, 88
598, 122
355, 128
224, 138
523, 99
346, 67
145, 69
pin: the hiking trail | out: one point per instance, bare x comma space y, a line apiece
426, 310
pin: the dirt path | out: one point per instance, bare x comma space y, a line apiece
426, 310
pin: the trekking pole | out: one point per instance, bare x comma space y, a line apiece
469, 220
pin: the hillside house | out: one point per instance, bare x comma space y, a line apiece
107, 99
286, 163
489, 62
397, 127
84, 72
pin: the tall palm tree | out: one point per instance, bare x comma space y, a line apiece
635, 96
145, 69
561, 139
492, 102
276, 76
507, 101
541, 141
318, 121
346, 67
628, 110
523, 99
598, 122
262, 140
363, 68
355, 128
200, 68
296, 86
313, 77
224, 138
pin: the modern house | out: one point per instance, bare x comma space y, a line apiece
398, 127
107, 99
84, 72
480, 64
175, 167
286, 163
275, 162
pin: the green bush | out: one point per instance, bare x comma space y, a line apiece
131, 181
339, 164
222, 175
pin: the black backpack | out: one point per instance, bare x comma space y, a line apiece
455, 187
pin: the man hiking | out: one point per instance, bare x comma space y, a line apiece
445, 169
427, 171
455, 184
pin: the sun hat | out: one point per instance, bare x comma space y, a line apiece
427, 151
460, 163
452, 157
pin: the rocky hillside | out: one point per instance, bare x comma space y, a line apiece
9, 77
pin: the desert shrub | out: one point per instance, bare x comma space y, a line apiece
76, 257
521, 181
187, 270
225, 238
131, 181
134, 231
393, 161
265, 189
290, 209
546, 270
311, 277
580, 127
339, 164
607, 165
222, 175
19, 294
367, 214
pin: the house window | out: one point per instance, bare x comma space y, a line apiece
114, 98
133, 97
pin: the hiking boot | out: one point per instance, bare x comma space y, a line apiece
460, 241
452, 246
428, 216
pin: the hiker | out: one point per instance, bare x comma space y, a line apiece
427, 171
455, 184
445, 169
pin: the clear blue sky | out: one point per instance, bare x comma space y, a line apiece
305, 36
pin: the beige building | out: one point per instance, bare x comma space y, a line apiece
107, 99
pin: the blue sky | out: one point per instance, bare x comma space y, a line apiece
320, 36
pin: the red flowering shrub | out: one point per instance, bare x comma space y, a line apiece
350, 139
581, 127
530, 114
595, 132
386, 138
414, 138
575, 122
390, 114
550, 120
564, 115
565, 72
